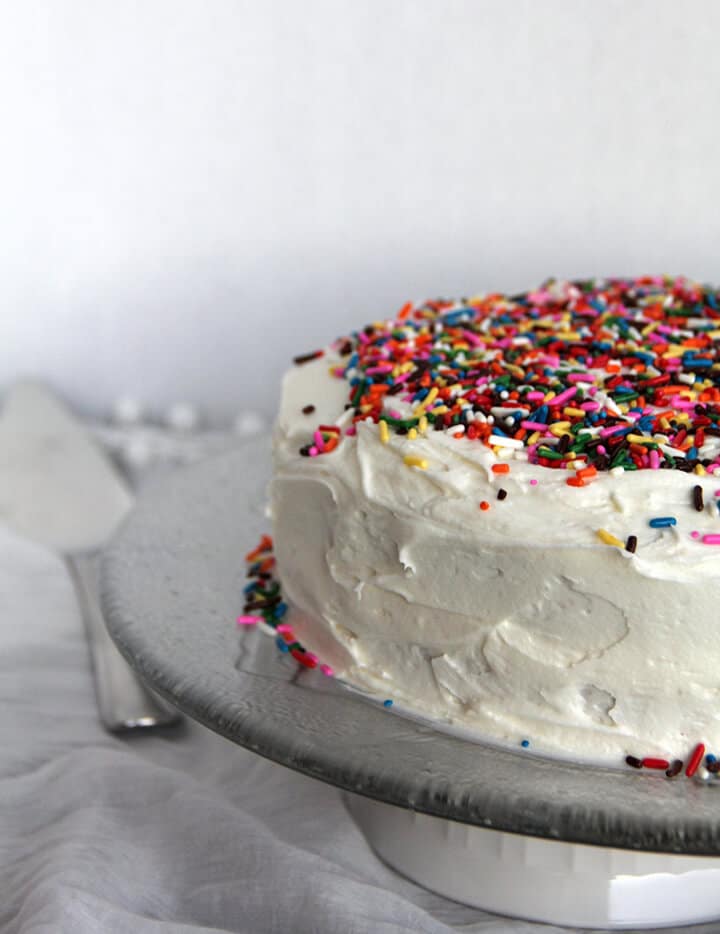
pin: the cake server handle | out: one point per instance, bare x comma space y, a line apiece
124, 703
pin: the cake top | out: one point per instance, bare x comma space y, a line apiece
597, 375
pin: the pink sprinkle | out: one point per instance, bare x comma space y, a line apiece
679, 402
471, 338
534, 426
579, 378
352, 430
327, 670
716, 493
601, 449
613, 430
313, 452
318, 439
590, 406
393, 413
532, 396
283, 627
711, 539
564, 396
533, 482
694, 535
654, 460
249, 620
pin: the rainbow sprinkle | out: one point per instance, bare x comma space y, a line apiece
600, 373
264, 605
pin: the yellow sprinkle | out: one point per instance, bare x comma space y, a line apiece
649, 328
534, 438
664, 423
441, 409
331, 370
427, 401
412, 434
559, 429
364, 409
549, 395
700, 470
573, 413
639, 439
423, 424
384, 433
412, 461
609, 539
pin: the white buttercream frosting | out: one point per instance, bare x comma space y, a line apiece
516, 621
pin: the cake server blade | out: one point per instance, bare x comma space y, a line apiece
57, 488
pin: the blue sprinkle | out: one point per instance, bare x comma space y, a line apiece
710, 758
250, 587
692, 453
282, 644
525, 743
280, 610
663, 522
387, 703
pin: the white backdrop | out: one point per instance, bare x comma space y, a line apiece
191, 191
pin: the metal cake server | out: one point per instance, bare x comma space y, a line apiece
57, 488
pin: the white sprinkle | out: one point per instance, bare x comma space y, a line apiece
616, 471
500, 442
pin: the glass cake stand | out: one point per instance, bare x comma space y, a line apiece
499, 829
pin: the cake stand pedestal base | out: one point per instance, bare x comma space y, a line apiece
539, 879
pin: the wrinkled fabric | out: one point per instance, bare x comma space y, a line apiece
181, 833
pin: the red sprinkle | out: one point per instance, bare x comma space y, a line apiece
305, 658
695, 760
651, 763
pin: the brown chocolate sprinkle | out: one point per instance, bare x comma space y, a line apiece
634, 762
698, 501
307, 357
631, 544
502, 494
308, 409
675, 768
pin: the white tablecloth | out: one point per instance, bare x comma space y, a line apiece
182, 833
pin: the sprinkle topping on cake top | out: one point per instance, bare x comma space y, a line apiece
608, 373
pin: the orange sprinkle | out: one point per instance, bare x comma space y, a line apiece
575, 481
265, 545
587, 472
405, 311
501, 468
484, 505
